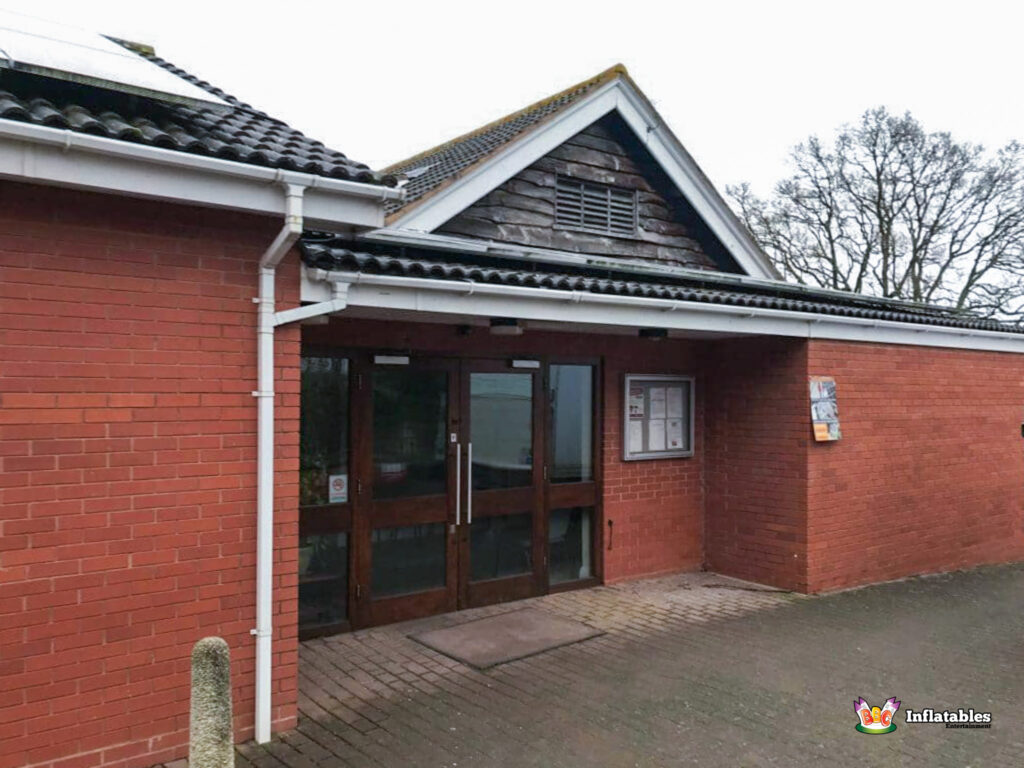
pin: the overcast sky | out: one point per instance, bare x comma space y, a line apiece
738, 82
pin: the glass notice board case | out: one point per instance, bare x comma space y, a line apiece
658, 417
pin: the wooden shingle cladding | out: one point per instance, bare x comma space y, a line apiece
523, 209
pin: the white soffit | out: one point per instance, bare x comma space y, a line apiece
64, 52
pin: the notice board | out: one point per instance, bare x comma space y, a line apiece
824, 409
658, 418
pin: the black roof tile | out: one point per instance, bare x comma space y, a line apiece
707, 287
430, 170
234, 132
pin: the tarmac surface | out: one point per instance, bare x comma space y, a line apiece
693, 669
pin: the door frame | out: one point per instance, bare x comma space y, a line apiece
552, 495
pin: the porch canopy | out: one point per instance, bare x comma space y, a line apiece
446, 279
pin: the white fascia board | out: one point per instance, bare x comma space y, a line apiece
461, 299
324, 210
57, 157
651, 132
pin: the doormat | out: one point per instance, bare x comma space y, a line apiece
485, 643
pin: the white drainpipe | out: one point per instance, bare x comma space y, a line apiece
286, 238
267, 320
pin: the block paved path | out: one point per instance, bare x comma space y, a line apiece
693, 669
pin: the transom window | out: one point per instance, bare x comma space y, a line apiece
598, 208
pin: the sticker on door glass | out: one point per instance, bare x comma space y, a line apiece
337, 489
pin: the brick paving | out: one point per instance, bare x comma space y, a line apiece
693, 669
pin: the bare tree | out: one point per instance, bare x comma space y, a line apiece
891, 210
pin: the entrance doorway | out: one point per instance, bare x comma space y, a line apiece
470, 481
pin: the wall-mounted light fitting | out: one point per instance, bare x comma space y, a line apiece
505, 326
655, 334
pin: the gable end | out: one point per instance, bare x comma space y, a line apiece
598, 193
452, 193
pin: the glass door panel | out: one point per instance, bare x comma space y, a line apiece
572, 491
323, 580
501, 546
408, 559
570, 542
325, 504
498, 552
410, 420
501, 429
571, 399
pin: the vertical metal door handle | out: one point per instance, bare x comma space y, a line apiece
458, 483
469, 485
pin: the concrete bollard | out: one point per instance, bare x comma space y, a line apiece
211, 736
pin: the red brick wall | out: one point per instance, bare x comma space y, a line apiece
656, 506
929, 473
757, 431
127, 473
928, 476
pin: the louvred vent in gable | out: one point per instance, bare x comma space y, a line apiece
594, 207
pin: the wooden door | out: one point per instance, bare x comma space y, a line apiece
500, 526
406, 556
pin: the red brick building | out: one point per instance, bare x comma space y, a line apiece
542, 356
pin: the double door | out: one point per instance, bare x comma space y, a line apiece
450, 480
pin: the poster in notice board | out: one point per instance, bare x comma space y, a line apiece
658, 417
824, 409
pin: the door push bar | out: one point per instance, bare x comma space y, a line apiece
458, 483
469, 485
